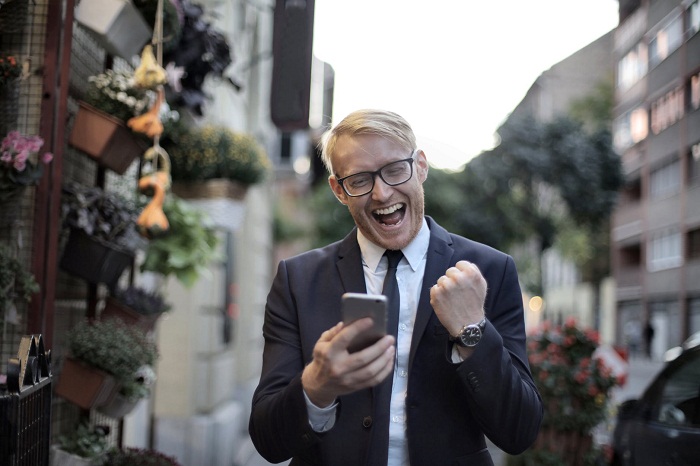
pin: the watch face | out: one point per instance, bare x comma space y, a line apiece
471, 335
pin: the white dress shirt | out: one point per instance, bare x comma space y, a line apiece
409, 276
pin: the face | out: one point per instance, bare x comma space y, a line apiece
389, 216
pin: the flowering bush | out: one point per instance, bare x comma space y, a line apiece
574, 384
10, 69
16, 168
575, 387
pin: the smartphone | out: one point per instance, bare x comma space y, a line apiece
358, 305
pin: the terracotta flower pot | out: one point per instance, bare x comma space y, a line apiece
105, 139
84, 385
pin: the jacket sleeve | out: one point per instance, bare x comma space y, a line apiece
279, 425
502, 394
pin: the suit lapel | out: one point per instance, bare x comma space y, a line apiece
440, 254
349, 264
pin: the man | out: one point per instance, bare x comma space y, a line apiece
457, 369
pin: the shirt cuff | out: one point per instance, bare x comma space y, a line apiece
320, 419
456, 357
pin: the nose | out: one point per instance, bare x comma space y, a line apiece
380, 190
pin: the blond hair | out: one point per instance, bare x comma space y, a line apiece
368, 121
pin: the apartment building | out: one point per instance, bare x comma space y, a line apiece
656, 131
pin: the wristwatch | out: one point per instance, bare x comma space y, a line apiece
470, 335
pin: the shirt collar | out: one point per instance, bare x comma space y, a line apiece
414, 252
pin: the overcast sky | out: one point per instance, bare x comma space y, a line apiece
454, 69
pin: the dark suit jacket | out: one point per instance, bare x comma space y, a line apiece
450, 407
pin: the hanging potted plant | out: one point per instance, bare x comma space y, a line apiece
201, 52
102, 239
212, 167
188, 247
18, 170
115, 24
100, 130
135, 306
109, 366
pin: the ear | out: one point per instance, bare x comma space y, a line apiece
338, 190
422, 166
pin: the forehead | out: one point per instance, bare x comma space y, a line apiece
366, 152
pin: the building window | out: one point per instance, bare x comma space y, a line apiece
694, 164
694, 315
664, 251
666, 41
631, 191
630, 128
693, 19
694, 244
665, 181
632, 67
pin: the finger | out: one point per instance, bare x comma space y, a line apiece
375, 370
331, 332
469, 267
442, 281
347, 333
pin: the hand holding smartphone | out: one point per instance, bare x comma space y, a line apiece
358, 305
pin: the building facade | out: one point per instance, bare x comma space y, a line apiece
656, 225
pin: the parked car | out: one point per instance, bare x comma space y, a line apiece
663, 426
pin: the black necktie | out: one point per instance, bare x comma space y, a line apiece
391, 290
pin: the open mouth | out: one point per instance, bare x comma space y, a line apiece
391, 215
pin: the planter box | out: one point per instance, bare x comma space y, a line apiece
223, 200
62, 458
104, 138
84, 385
116, 309
115, 24
93, 260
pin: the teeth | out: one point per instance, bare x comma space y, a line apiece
388, 210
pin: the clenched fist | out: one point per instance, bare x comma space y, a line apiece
458, 296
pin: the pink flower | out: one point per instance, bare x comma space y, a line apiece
17, 166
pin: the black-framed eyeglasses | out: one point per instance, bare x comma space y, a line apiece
393, 174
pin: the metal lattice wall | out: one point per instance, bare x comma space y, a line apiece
22, 30
23, 26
